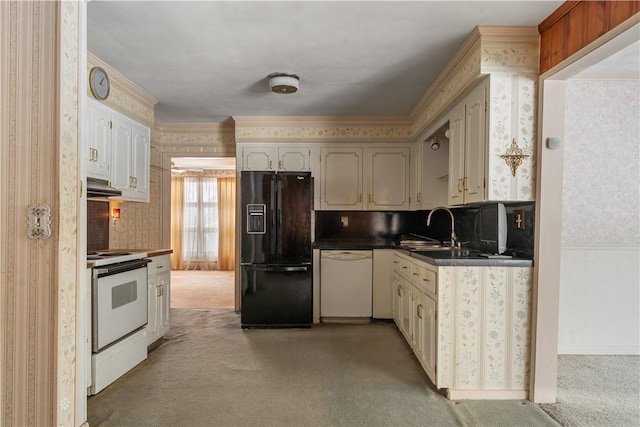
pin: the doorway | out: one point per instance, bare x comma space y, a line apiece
568, 245
203, 229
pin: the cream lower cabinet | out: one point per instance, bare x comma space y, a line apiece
424, 331
159, 293
382, 277
415, 287
470, 327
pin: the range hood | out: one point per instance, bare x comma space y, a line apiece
101, 188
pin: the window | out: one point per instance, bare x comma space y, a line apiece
200, 227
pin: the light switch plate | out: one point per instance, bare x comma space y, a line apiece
345, 221
518, 219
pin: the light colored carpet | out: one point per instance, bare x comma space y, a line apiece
202, 289
597, 391
210, 372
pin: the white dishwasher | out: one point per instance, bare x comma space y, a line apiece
346, 288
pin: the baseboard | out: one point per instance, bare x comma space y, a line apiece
346, 320
600, 350
487, 394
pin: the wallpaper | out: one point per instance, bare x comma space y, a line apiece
601, 162
484, 319
139, 226
70, 16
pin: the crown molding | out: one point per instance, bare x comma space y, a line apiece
509, 49
177, 136
463, 69
119, 78
321, 128
505, 49
194, 127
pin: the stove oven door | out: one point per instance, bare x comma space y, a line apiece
119, 305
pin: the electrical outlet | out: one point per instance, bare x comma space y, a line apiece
518, 219
345, 221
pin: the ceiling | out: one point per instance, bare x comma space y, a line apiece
207, 61
623, 64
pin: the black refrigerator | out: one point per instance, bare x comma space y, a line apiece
276, 269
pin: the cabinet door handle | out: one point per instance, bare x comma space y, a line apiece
398, 290
464, 185
270, 164
415, 274
460, 186
419, 311
360, 198
279, 164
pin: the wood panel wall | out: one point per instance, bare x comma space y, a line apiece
575, 24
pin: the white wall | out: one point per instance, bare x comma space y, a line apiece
599, 293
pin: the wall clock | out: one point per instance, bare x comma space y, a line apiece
99, 83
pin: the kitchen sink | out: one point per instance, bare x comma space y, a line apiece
433, 248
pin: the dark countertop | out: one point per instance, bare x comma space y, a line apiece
447, 258
455, 258
353, 244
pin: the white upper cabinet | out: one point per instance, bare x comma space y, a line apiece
131, 147
467, 148
139, 163
98, 142
387, 173
259, 158
118, 150
475, 145
365, 178
272, 157
121, 144
341, 178
294, 158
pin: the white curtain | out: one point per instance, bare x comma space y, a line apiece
200, 223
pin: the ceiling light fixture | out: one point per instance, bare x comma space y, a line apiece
284, 82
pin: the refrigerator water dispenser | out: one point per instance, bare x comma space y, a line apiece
256, 223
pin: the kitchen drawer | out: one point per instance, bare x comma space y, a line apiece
403, 267
425, 280
159, 264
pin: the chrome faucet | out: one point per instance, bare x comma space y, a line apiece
454, 238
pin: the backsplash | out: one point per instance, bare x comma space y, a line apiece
97, 225
390, 225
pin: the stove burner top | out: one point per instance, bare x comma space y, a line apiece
104, 258
108, 254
